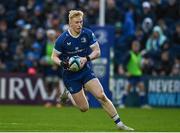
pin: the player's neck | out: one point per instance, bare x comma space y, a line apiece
73, 33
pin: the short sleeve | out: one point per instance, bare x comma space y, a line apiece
92, 38
58, 45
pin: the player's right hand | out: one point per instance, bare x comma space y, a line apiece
65, 64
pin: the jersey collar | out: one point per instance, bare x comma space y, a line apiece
73, 35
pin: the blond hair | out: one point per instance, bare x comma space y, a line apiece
75, 13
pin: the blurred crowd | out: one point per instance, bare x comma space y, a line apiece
155, 24
28, 29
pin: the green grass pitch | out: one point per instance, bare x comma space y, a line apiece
38, 118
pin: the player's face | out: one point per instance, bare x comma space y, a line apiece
76, 24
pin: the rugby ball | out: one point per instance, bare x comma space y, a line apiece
74, 64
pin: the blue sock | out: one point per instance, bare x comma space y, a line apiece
116, 118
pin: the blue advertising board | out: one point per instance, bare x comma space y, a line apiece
162, 91
101, 66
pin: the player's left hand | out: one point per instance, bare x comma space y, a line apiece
83, 61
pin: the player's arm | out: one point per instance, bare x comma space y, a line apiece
94, 45
56, 53
56, 59
96, 52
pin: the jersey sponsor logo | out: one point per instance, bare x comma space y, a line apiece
77, 51
68, 43
83, 40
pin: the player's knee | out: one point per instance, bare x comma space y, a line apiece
102, 97
84, 109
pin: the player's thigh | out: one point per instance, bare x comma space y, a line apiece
73, 86
80, 99
95, 87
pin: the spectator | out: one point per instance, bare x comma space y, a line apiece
26, 37
140, 36
93, 11
129, 24
176, 35
38, 17
176, 67
19, 58
39, 43
5, 56
50, 70
166, 30
4, 31
112, 11
2, 12
164, 66
147, 11
155, 42
172, 12
147, 25
133, 66
19, 21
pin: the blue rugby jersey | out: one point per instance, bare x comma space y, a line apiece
69, 46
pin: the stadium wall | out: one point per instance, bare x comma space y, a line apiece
23, 89
162, 91
26, 89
